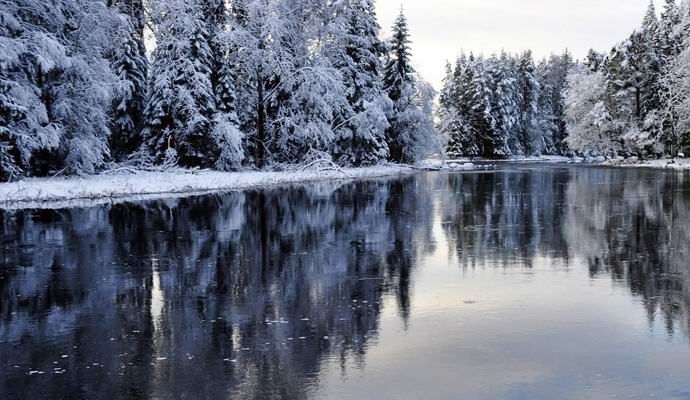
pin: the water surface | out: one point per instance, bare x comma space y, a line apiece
526, 282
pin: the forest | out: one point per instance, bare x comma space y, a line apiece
89, 85
251, 84
633, 101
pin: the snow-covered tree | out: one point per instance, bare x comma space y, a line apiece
399, 83
410, 128
530, 131
670, 32
428, 140
634, 87
502, 92
356, 53
590, 126
180, 106
53, 67
676, 107
595, 61
10, 113
554, 83
130, 65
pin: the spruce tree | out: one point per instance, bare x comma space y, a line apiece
530, 134
10, 113
475, 97
456, 101
671, 39
399, 83
364, 141
502, 85
130, 65
181, 103
451, 122
557, 70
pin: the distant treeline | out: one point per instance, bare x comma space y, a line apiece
633, 101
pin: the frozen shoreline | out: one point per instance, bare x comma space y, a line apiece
90, 190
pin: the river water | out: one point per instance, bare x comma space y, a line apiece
523, 282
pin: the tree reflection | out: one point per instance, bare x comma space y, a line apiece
241, 294
635, 227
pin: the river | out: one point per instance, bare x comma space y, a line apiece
521, 282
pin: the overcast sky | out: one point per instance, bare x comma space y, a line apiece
442, 28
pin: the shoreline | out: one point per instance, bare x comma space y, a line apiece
678, 164
66, 192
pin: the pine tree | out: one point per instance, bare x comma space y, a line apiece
475, 97
530, 133
399, 83
10, 113
595, 61
181, 103
651, 64
672, 45
546, 121
130, 65
555, 78
671, 40
364, 141
634, 87
502, 87
452, 123
676, 92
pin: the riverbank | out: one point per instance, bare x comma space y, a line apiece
144, 185
680, 164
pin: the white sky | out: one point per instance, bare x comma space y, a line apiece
440, 29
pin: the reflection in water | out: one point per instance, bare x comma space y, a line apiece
635, 227
240, 293
251, 295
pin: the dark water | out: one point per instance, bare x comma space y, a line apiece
534, 282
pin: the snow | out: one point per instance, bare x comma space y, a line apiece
75, 191
680, 164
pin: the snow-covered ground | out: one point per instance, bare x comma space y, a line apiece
677, 164
473, 164
73, 191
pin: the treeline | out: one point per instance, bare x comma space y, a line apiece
224, 85
504, 105
636, 99
633, 101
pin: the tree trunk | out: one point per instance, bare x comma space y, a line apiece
260, 150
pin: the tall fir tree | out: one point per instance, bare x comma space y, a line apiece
399, 83
558, 68
457, 98
181, 103
504, 106
358, 60
10, 114
475, 95
529, 131
131, 67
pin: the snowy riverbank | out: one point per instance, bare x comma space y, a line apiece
680, 164
75, 191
